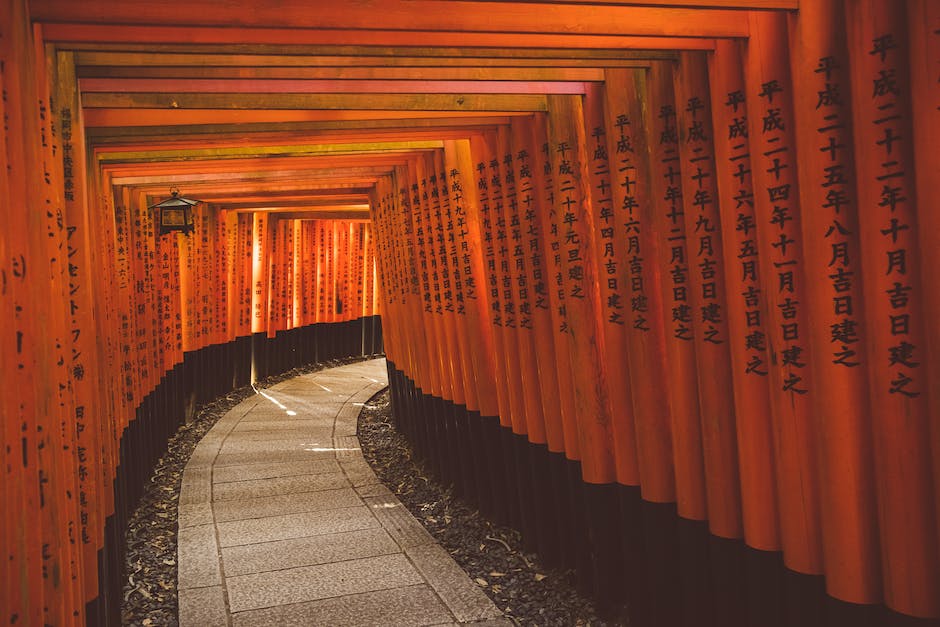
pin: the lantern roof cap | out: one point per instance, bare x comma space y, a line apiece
175, 201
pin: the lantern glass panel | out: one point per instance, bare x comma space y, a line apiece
173, 217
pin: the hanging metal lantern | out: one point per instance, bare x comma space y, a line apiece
176, 213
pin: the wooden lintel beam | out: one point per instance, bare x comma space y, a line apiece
174, 117
139, 138
301, 206
355, 216
116, 134
303, 203
135, 172
761, 5
264, 181
300, 86
241, 152
405, 15
102, 54
298, 41
346, 73
362, 102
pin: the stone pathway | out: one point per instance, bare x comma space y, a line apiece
282, 521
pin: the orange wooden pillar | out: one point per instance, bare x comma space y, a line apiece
421, 374
529, 184
924, 36
545, 428
454, 315
44, 446
464, 200
259, 291
893, 303
444, 308
707, 295
25, 589
421, 234
84, 363
445, 343
628, 147
832, 261
747, 329
612, 263
434, 237
427, 367
669, 227
777, 210
482, 219
522, 354
517, 307
575, 221
444, 244
272, 270
472, 306
15, 590
551, 243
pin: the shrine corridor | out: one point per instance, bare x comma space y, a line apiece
656, 283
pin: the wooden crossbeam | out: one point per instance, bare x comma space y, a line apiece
301, 86
242, 151
115, 134
225, 135
363, 102
221, 56
406, 15
78, 36
347, 73
150, 117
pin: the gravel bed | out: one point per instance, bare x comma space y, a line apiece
516, 581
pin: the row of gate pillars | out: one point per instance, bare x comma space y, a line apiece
639, 560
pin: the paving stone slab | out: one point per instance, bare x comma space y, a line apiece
320, 434
250, 472
195, 514
264, 457
311, 443
302, 409
287, 526
249, 424
198, 557
300, 397
278, 485
279, 505
196, 485
202, 459
398, 521
405, 607
358, 471
308, 551
374, 489
202, 607
347, 447
309, 583
462, 597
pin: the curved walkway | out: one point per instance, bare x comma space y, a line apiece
282, 521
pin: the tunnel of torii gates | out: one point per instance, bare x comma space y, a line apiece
659, 281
